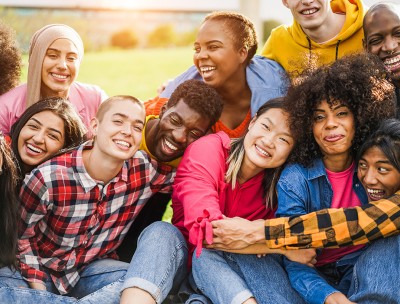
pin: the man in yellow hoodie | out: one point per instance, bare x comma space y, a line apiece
322, 31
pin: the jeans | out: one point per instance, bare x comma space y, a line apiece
218, 277
267, 279
376, 275
100, 283
159, 264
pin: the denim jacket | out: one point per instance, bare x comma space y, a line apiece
303, 190
265, 77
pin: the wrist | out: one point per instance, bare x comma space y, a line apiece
258, 232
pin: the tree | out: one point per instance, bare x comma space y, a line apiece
125, 39
268, 26
162, 36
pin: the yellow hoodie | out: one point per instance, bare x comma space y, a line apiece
290, 46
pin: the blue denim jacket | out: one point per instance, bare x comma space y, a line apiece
265, 77
303, 190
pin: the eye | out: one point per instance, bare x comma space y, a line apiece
342, 113
213, 47
197, 49
266, 127
53, 136
138, 128
118, 122
362, 165
284, 140
33, 126
318, 117
71, 58
195, 135
374, 41
383, 170
174, 121
52, 56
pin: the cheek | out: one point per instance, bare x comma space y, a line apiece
54, 146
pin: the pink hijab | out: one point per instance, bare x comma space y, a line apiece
40, 42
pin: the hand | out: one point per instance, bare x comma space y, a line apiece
162, 87
37, 285
303, 256
236, 233
338, 298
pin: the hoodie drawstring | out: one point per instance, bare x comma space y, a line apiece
309, 50
337, 50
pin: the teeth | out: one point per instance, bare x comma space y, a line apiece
373, 191
35, 149
123, 143
393, 60
171, 146
262, 151
309, 12
59, 76
207, 69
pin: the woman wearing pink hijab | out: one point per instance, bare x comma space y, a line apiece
55, 54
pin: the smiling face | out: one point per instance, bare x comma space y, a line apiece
382, 37
178, 127
268, 142
60, 68
40, 138
216, 55
378, 176
333, 129
119, 131
310, 14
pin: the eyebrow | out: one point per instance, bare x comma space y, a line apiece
379, 161
52, 129
283, 133
127, 117
333, 109
58, 51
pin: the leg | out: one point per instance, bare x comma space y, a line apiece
376, 274
267, 279
215, 276
159, 263
153, 211
101, 277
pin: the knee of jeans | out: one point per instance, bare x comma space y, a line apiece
164, 234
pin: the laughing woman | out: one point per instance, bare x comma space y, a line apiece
332, 112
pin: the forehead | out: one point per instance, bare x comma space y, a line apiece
184, 111
214, 29
374, 154
47, 118
132, 110
64, 44
384, 15
277, 116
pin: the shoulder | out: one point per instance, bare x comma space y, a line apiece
293, 172
88, 89
264, 65
16, 94
190, 73
212, 141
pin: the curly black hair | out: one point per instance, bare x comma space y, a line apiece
359, 82
10, 59
200, 97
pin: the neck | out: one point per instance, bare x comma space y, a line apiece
247, 172
234, 90
100, 168
338, 163
46, 93
327, 31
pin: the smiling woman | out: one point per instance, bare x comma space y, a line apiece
45, 129
55, 54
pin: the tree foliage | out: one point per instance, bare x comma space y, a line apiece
125, 39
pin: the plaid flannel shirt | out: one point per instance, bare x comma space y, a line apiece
70, 220
336, 227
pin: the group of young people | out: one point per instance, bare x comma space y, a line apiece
283, 169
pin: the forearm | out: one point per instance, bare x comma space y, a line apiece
256, 249
336, 227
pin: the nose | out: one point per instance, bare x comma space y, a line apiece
38, 137
201, 54
369, 177
180, 135
62, 63
268, 140
306, 2
390, 45
126, 130
331, 122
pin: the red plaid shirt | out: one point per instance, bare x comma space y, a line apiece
70, 220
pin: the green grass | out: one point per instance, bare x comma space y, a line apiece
134, 72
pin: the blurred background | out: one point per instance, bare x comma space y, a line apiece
133, 46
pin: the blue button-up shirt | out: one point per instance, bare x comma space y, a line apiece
303, 190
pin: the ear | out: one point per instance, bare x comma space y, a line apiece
252, 121
243, 52
285, 3
162, 110
94, 124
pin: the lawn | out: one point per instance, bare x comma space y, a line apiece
134, 72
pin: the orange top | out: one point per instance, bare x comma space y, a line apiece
153, 107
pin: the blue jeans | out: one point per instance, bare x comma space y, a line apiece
376, 275
267, 279
159, 264
100, 283
217, 276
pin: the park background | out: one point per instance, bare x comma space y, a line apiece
133, 46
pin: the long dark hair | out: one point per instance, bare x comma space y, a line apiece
8, 206
237, 154
73, 127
